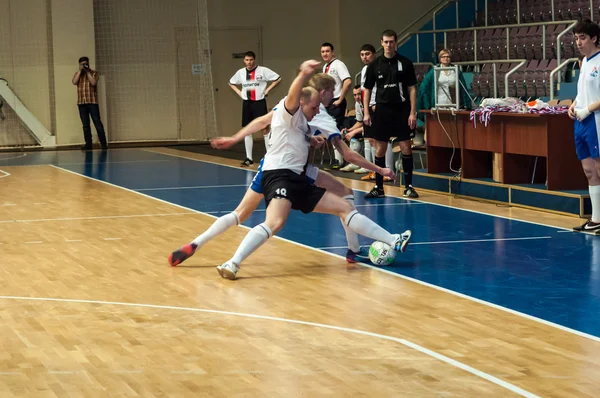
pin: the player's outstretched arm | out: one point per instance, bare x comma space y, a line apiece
356, 158
292, 101
256, 125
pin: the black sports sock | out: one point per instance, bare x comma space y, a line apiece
407, 166
378, 177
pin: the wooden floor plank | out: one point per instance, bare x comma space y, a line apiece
58, 348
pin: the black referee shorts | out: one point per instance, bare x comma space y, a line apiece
253, 109
368, 130
391, 120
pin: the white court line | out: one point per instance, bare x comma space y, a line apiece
461, 295
392, 204
4, 174
391, 196
198, 160
95, 218
14, 157
194, 187
443, 242
112, 238
404, 342
374, 205
118, 161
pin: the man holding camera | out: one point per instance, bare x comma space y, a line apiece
87, 101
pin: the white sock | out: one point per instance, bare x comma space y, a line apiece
249, 143
351, 236
368, 154
266, 142
338, 156
366, 227
595, 199
255, 239
389, 158
373, 153
221, 225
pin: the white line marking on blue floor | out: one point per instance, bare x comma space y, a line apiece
393, 274
193, 187
456, 241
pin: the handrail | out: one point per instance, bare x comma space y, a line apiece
475, 30
407, 32
495, 73
558, 68
510, 72
564, 32
524, 25
403, 35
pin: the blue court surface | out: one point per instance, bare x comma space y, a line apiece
542, 271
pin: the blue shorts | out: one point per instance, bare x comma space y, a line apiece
586, 138
256, 185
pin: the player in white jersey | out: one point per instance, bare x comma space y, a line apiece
586, 112
338, 70
367, 55
322, 125
284, 184
253, 79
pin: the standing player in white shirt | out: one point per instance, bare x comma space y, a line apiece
253, 80
585, 110
337, 109
286, 187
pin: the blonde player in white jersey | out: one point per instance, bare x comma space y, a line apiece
286, 187
323, 125
586, 112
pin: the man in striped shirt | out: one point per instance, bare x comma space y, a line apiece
253, 80
87, 101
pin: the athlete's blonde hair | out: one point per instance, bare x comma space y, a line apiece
322, 81
308, 94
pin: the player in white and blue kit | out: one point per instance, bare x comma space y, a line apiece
586, 112
323, 125
285, 186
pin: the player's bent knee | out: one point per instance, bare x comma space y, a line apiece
590, 173
344, 209
275, 224
243, 213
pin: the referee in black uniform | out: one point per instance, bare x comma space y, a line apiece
395, 109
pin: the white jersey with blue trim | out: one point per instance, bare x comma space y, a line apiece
588, 86
322, 124
289, 140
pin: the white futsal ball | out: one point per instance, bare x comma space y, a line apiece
381, 253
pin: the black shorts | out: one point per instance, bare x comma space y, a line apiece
391, 120
253, 109
368, 130
291, 186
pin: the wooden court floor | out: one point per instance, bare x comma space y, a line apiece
91, 308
